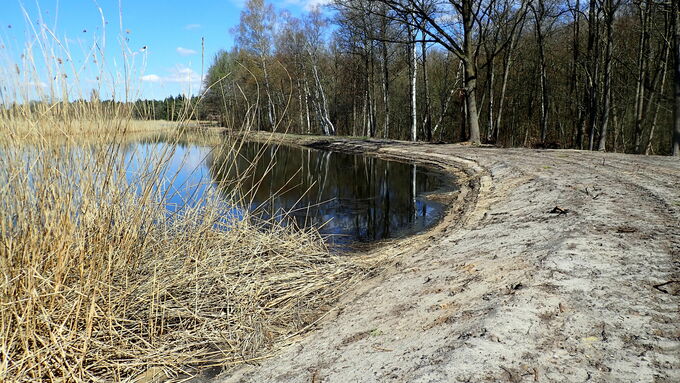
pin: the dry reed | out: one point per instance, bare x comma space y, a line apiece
100, 283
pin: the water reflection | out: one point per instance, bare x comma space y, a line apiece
352, 197
185, 175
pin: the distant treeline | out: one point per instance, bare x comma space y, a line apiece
585, 74
591, 74
172, 108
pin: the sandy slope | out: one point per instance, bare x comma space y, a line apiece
505, 290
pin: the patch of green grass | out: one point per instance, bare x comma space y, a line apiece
376, 332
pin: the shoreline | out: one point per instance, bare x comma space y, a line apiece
510, 290
456, 202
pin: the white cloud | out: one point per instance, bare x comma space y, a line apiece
191, 27
179, 75
152, 78
182, 74
185, 51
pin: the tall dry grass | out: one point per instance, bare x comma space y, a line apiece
100, 283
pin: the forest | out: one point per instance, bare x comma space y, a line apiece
583, 74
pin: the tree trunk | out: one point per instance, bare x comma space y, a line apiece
618, 129
573, 86
267, 87
427, 122
675, 150
371, 83
609, 14
368, 107
301, 107
464, 121
530, 112
364, 114
664, 71
307, 94
471, 102
642, 76
593, 76
504, 85
445, 108
490, 85
328, 129
413, 72
385, 75
540, 41
470, 71
354, 108
386, 91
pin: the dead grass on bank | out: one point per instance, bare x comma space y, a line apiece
99, 283
116, 127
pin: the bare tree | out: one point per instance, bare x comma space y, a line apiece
610, 7
314, 31
427, 114
413, 76
384, 43
540, 12
598, 74
645, 17
442, 21
503, 30
675, 9
593, 71
254, 33
577, 111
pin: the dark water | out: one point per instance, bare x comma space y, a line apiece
350, 197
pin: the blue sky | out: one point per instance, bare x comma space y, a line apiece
163, 37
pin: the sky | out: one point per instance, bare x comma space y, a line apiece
162, 38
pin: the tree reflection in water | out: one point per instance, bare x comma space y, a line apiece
354, 197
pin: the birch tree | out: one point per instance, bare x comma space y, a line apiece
443, 21
254, 34
595, 74
314, 32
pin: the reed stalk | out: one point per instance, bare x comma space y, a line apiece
100, 283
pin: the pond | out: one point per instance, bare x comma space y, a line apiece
350, 198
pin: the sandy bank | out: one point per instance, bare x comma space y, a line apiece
553, 265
